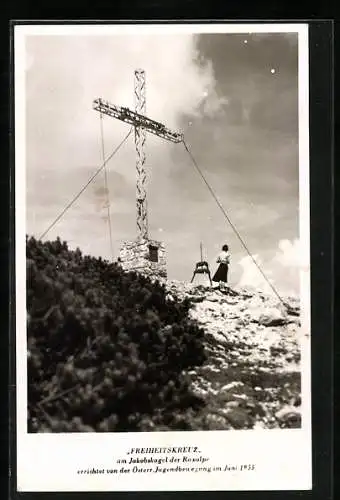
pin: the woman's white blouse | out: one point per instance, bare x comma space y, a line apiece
223, 258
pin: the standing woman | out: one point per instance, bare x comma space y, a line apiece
223, 260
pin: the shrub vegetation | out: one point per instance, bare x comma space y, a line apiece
106, 350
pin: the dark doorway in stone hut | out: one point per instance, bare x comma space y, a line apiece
153, 253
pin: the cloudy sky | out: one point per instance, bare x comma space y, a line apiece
235, 97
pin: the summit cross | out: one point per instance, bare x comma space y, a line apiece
142, 124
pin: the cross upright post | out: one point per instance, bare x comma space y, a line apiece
140, 138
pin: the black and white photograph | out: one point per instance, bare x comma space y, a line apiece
162, 226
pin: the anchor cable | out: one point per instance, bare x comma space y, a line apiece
62, 213
230, 222
107, 192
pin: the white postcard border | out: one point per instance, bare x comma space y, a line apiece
48, 462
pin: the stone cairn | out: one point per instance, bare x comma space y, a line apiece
144, 256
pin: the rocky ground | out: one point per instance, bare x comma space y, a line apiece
251, 378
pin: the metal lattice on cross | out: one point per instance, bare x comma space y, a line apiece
140, 138
142, 124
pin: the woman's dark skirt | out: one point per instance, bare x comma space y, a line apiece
221, 273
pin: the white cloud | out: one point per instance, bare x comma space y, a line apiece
251, 275
70, 72
282, 271
288, 254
